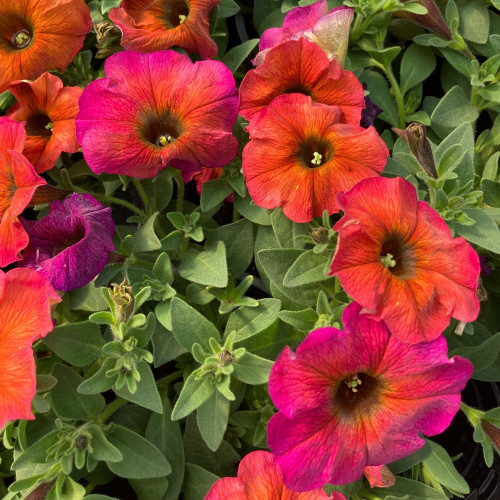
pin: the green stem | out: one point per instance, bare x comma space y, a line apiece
89, 488
236, 214
141, 191
163, 382
474, 416
111, 408
176, 174
398, 95
118, 201
133, 260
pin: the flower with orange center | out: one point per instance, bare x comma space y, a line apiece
18, 182
18, 331
301, 67
300, 156
151, 25
39, 36
398, 259
49, 110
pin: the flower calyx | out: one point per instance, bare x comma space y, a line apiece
232, 297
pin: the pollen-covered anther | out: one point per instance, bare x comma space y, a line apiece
353, 383
182, 18
163, 140
317, 159
388, 260
21, 39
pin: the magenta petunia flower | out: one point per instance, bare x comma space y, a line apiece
69, 246
328, 30
158, 110
356, 398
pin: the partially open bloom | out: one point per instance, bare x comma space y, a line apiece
150, 25
39, 36
260, 478
158, 110
397, 258
330, 31
69, 247
300, 156
49, 110
18, 183
356, 398
25, 300
301, 67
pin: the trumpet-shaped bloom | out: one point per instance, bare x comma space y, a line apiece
302, 67
300, 156
148, 26
158, 110
260, 478
69, 247
397, 258
39, 36
25, 300
18, 183
330, 31
356, 398
49, 110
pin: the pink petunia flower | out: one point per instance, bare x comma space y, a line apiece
398, 259
158, 110
357, 398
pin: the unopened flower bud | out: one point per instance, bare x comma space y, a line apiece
108, 39
319, 235
433, 20
123, 298
493, 433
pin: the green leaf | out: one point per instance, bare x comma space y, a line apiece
67, 402
213, 193
87, 298
141, 459
408, 489
283, 228
194, 393
459, 61
208, 267
36, 453
162, 269
454, 109
197, 482
76, 343
99, 382
491, 192
309, 268
102, 449
416, 65
147, 489
251, 211
145, 239
189, 326
237, 55
385, 56
484, 232
228, 8
411, 460
381, 96
304, 320
252, 369
212, 419
474, 20
483, 355
165, 347
107, 5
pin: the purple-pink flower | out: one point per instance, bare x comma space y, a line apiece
69, 247
356, 398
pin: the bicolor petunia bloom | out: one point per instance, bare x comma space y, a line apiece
158, 110
356, 398
69, 246
25, 301
151, 25
300, 156
398, 259
49, 110
18, 183
260, 478
301, 67
328, 30
39, 36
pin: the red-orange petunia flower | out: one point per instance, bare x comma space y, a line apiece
398, 259
49, 110
39, 36
151, 25
300, 156
18, 330
18, 182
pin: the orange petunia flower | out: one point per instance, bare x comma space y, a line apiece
39, 36
151, 25
18, 331
49, 110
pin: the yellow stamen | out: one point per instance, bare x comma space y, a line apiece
316, 159
182, 18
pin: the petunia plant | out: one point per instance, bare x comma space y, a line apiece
249, 250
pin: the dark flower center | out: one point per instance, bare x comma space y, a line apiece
314, 152
175, 12
16, 32
161, 130
39, 124
357, 392
298, 89
72, 237
395, 255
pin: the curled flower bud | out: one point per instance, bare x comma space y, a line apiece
123, 298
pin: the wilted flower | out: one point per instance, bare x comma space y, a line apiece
356, 398
25, 300
70, 245
158, 110
49, 110
300, 156
40, 36
379, 476
260, 478
301, 67
397, 258
328, 30
150, 25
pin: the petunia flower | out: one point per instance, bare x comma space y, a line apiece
356, 398
25, 301
330, 31
69, 246
158, 110
398, 259
49, 110
260, 478
301, 67
379, 476
300, 156
18, 183
39, 36
151, 25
